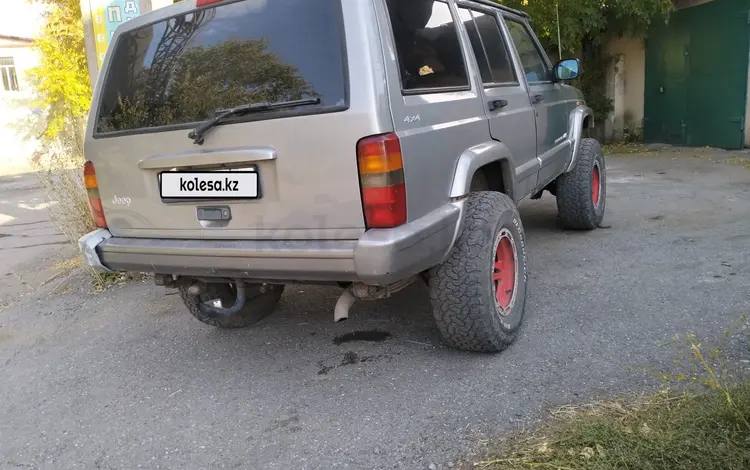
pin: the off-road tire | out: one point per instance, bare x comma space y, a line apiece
259, 304
462, 289
576, 190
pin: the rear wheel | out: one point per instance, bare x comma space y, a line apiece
261, 302
582, 192
479, 293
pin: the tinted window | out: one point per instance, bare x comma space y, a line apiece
427, 45
494, 45
183, 69
476, 44
532, 60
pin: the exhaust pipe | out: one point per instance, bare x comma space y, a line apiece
341, 311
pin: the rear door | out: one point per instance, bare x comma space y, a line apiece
547, 98
164, 78
511, 117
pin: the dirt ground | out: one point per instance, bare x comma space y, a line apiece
127, 379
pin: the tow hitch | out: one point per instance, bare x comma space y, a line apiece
196, 290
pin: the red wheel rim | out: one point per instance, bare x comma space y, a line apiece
504, 271
596, 186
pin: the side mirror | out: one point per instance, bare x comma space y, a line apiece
567, 69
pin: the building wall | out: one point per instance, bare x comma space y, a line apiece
626, 85
747, 110
626, 82
19, 118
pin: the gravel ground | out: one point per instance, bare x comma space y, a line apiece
126, 379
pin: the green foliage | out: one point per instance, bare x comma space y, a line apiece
584, 25
593, 85
62, 78
590, 19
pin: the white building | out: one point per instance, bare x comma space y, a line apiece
19, 24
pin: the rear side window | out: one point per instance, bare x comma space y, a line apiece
427, 44
183, 69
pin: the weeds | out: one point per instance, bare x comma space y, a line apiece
61, 178
59, 172
667, 430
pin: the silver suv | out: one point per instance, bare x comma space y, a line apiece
234, 147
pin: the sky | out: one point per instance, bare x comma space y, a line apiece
20, 18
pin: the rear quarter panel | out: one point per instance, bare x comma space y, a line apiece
434, 128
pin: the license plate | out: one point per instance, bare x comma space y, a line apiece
209, 185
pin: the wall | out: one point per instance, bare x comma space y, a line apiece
626, 82
19, 123
20, 18
747, 110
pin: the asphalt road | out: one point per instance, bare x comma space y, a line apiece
127, 379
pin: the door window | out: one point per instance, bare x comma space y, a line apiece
429, 52
483, 63
495, 47
534, 63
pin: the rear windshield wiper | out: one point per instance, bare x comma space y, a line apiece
199, 132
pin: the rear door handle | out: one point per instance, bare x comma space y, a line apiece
497, 104
537, 99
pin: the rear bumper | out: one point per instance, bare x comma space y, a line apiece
379, 257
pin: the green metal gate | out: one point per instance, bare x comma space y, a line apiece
696, 76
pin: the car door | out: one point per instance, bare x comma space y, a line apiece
509, 112
547, 98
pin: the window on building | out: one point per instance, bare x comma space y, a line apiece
427, 45
8, 74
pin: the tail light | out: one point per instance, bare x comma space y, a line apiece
202, 3
92, 189
381, 175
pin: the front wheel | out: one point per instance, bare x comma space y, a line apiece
582, 192
479, 293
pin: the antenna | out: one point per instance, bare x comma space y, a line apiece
559, 43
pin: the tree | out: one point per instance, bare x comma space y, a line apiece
590, 20
584, 25
62, 78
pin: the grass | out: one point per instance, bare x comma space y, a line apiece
669, 430
664, 431
629, 148
744, 161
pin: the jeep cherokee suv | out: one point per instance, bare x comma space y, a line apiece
237, 146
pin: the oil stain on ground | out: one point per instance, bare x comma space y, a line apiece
350, 357
375, 336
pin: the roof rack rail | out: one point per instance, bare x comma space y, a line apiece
499, 6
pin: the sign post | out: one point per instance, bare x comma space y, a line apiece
102, 17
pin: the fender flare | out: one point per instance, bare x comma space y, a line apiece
474, 158
575, 131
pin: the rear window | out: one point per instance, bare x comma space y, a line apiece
183, 69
